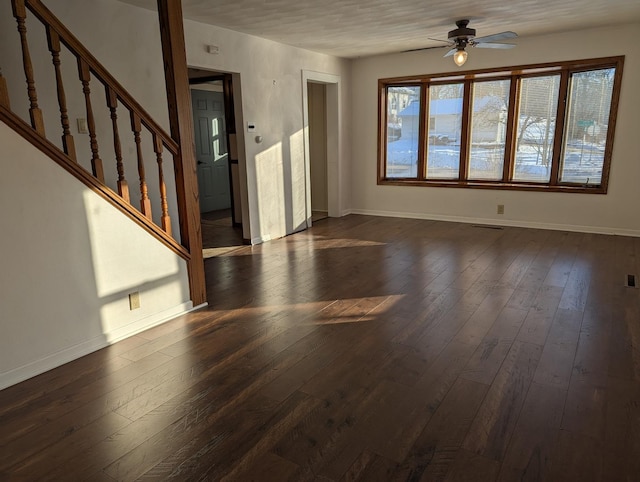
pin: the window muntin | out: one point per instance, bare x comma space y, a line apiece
402, 131
527, 154
445, 128
488, 129
536, 128
586, 127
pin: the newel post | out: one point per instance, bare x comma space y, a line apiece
180, 118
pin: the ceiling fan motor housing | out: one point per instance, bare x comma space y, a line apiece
462, 32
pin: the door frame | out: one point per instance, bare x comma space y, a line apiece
230, 125
333, 95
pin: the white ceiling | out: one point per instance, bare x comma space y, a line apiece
358, 28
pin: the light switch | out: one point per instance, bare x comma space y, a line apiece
82, 126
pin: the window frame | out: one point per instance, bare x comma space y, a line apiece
514, 74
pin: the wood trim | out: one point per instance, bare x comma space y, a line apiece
230, 124
181, 121
51, 150
123, 185
465, 133
166, 220
509, 157
145, 202
382, 131
421, 168
85, 79
68, 143
527, 69
613, 117
561, 112
20, 14
510, 186
4, 92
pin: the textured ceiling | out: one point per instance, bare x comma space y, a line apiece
357, 28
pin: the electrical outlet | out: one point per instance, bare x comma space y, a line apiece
134, 300
500, 208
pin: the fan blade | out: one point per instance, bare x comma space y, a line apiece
440, 40
450, 52
486, 45
495, 36
425, 48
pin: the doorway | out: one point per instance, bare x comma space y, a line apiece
317, 102
321, 101
216, 157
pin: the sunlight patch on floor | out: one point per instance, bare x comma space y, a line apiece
220, 251
316, 243
361, 310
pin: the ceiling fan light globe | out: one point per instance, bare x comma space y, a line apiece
460, 57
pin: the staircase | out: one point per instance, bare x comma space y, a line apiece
129, 160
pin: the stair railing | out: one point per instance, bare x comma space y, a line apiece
92, 75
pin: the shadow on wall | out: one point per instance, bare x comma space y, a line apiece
127, 260
75, 260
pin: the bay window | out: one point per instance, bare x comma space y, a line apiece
540, 127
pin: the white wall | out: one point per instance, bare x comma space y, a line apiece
69, 261
272, 98
616, 212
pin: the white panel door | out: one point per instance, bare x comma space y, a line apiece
211, 150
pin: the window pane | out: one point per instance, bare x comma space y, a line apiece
445, 124
488, 129
586, 126
536, 127
403, 131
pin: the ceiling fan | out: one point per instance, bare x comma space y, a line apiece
463, 36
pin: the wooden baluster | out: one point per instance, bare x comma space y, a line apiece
123, 185
4, 92
166, 220
96, 162
68, 145
145, 202
20, 13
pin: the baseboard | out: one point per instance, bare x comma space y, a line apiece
61, 357
261, 239
148, 322
502, 222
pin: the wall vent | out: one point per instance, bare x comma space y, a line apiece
631, 280
487, 226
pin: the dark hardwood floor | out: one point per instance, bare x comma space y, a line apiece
362, 349
219, 235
